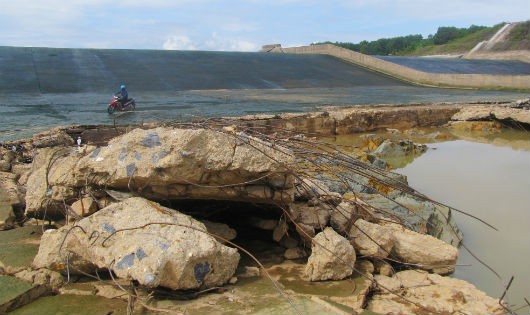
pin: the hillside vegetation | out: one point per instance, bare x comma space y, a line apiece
447, 40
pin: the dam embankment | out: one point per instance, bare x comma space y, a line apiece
457, 80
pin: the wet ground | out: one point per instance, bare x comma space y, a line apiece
45, 87
22, 115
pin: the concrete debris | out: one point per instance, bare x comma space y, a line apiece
332, 257
423, 251
371, 239
430, 293
172, 252
165, 163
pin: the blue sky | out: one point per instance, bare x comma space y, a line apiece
236, 25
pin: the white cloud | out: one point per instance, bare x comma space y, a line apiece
179, 42
228, 44
182, 42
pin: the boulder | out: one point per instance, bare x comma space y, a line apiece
53, 254
424, 251
371, 239
306, 233
385, 284
317, 216
364, 266
220, 229
156, 246
311, 188
10, 200
399, 148
52, 181
434, 293
165, 163
294, 253
343, 217
22, 171
383, 268
43, 276
332, 257
85, 207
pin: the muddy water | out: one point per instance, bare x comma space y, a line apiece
490, 179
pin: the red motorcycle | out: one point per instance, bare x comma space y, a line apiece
116, 105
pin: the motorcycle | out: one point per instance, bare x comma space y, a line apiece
116, 105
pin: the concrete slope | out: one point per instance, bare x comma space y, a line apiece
52, 70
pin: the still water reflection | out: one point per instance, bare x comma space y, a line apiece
493, 183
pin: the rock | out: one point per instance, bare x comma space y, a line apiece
424, 251
294, 253
54, 257
165, 163
51, 183
310, 188
109, 290
10, 200
220, 229
371, 141
436, 294
56, 137
523, 103
317, 217
383, 268
176, 255
332, 257
364, 266
399, 148
280, 231
42, 276
414, 132
263, 224
343, 217
250, 272
85, 207
5, 166
490, 112
371, 239
377, 162
306, 233
22, 171
105, 202
385, 284
393, 131
10, 190
288, 242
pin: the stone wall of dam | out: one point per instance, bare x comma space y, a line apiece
481, 81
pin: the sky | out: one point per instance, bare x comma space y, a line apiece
236, 25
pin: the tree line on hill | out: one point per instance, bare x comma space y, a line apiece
403, 45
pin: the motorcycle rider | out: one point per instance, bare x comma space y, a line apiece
123, 95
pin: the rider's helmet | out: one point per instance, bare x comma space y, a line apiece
123, 87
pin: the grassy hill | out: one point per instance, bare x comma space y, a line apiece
447, 41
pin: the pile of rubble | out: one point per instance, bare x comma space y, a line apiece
109, 200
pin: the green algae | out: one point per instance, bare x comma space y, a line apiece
19, 246
73, 305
